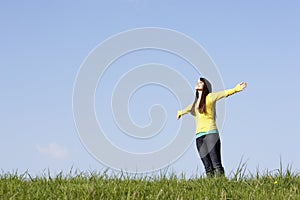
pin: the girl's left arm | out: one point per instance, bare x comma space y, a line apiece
225, 93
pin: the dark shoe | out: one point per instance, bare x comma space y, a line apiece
220, 172
210, 173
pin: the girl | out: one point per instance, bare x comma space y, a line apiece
207, 135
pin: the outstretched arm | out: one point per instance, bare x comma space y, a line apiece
184, 111
237, 88
219, 95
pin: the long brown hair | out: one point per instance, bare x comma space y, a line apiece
202, 105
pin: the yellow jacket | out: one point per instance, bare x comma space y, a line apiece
206, 122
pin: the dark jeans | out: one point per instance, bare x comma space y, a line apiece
209, 148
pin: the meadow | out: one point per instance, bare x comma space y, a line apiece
279, 184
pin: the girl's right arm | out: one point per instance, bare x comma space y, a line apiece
184, 111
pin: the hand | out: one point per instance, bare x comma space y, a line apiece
243, 85
178, 116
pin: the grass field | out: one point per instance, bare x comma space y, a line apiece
276, 185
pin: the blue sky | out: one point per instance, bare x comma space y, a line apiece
43, 45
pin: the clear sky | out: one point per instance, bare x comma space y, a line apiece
44, 43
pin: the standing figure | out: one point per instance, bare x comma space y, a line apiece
207, 135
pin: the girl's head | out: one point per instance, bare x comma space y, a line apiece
202, 86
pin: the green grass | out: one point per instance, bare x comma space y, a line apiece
278, 184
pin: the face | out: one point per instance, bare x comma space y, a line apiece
199, 85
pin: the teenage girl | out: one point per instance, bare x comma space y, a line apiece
207, 135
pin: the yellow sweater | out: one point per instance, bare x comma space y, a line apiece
206, 122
